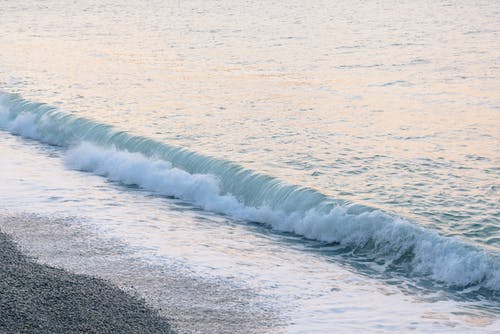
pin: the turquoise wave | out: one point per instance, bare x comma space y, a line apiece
225, 187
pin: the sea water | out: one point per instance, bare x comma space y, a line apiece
326, 166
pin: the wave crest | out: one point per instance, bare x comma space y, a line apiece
227, 188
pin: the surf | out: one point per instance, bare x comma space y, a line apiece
227, 188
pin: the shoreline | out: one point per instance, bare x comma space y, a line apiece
188, 302
37, 298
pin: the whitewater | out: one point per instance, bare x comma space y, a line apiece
223, 187
281, 168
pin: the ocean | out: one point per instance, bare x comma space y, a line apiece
258, 166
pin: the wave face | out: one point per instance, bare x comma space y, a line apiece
227, 188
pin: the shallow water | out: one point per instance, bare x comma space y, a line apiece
387, 110
188, 262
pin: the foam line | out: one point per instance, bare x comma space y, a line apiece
224, 187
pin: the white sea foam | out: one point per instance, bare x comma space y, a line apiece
24, 124
444, 259
154, 175
227, 188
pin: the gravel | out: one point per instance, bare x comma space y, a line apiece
36, 298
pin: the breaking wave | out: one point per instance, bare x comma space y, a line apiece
227, 188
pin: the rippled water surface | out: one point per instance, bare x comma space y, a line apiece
391, 105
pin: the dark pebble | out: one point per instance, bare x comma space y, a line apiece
36, 298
